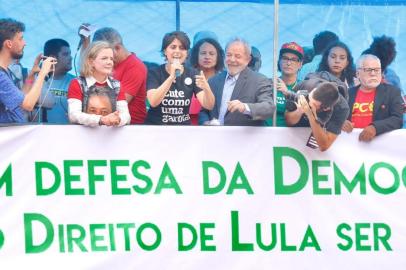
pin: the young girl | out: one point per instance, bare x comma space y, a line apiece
97, 65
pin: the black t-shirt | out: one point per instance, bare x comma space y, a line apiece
174, 108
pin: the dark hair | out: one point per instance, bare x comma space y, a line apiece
308, 55
322, 40
384, 48
9, 28
54, 46
102, 91
256, 59
327, 94
194, 56
348, 73
170, 37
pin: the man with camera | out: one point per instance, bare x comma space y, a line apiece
13, 102
324, 110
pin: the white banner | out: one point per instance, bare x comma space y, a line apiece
150, 197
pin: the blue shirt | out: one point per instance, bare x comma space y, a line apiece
58, 92
228, 89
11, 99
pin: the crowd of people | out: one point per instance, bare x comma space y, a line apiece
321, 88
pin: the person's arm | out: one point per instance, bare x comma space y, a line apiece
84, 40
205, 97
293, 117
124, 114
156, 95
395, 112
76, 116
75, 113
263, 108
133, 80
32, 96
323, 137
29, 81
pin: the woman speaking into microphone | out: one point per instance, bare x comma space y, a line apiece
170, 87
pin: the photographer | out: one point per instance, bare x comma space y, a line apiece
13, 102
324, 110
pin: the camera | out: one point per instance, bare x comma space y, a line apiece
304, 93
293, 98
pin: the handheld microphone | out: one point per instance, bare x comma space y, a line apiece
177, 71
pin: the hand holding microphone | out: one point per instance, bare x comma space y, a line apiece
177, 67
84, 32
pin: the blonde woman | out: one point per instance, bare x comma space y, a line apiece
96, 68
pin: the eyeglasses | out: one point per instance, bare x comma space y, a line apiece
370, 70
292, 60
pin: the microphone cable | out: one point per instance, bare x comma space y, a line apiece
74, 61
37, 113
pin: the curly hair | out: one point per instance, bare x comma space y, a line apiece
348, 73
194, 57
384, 48
322, 40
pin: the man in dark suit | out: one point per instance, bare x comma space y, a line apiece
243, 97
375, 106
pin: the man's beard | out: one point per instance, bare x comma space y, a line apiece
17, 56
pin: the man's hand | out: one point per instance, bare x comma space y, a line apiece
48, 65
35, 67
367, 134
305, 107
236, 105
347, 126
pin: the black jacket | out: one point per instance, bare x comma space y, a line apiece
388, 107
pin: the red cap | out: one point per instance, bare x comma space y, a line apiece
292, 47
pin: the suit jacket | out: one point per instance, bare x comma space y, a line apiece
388, 107
251, 88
